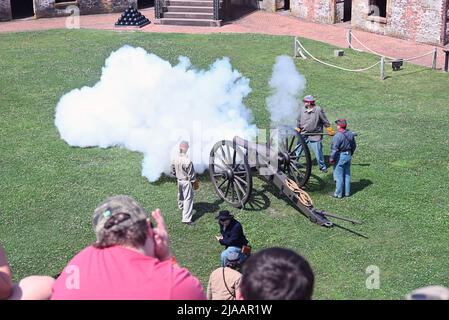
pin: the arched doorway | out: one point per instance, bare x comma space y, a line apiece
22, 9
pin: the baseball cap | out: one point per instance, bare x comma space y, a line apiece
132, 213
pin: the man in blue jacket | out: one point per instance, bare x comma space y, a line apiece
342, 149
232, 236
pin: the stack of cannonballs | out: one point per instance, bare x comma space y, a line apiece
132, 18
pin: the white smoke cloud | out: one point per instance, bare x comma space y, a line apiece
145, 104
287, 84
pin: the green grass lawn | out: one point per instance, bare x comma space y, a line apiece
48, 190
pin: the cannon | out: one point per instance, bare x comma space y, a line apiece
285, 163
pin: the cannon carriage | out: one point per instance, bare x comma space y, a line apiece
284, 161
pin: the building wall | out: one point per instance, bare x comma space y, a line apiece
446, 24
5, 10
322, 11
419, 20
48, 8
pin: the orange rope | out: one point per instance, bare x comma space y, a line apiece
303, 196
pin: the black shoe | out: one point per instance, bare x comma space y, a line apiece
191, 223
323, 170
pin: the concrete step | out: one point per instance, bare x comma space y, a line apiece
189, 9
189, 15
190, 22
190, 3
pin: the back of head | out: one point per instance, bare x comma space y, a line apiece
429, 293
183, 146
120, 220
277, 274
233, 260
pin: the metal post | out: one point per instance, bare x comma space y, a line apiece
295, 47
350, 38
446, 60
382, 68
435, 56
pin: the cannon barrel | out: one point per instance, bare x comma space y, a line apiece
260, 155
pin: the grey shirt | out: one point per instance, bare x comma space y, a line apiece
183, 168
312, 121
343, 141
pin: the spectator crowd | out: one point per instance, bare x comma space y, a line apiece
131, 259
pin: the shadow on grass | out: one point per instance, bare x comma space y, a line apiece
258, 200
322, 185
360, 185
361, 164
202, 208
404, 73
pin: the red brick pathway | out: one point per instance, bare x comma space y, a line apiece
251, 22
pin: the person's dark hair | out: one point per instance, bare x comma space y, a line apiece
233, 264
134, 236
277, 274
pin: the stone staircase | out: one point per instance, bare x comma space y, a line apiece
188, 13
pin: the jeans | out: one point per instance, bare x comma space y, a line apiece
342, 174
317, 147
228, 250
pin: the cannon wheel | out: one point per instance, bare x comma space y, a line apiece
297, 168
230, 173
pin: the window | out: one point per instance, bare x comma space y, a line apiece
377, 8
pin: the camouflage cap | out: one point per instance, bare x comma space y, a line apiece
429, 293
115, 205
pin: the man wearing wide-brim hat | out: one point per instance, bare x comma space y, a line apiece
232, 236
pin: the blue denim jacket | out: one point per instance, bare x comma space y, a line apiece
342, 141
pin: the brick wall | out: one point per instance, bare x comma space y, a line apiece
268, 5
418, 20
446, 30
322, 11
5, 10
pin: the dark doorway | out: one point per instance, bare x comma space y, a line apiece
142, 4
286, 4
347, 10
22, 9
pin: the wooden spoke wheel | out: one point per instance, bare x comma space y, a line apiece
230, 173
295, 160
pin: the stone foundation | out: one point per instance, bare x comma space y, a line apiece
48, 8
